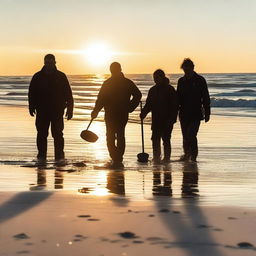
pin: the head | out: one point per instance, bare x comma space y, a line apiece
49, 61
115, 68
187, 66
159, 76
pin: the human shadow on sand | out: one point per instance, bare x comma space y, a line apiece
21, 203
185, 226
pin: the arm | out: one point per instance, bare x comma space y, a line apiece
68, 98
136, 97
99, 102
206, 100
148, 106
174, 105
178, 94
31, 96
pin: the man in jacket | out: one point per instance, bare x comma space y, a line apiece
115, 97
49, 95
194, 106
162, 102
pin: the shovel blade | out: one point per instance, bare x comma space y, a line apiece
89, 136
143, 157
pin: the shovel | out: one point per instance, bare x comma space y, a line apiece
142, 157
89, 135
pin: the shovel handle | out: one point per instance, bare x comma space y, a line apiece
142, 129
89, 124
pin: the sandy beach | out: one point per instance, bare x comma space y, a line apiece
69, 224
82, 208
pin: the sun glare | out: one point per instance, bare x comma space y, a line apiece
98, 54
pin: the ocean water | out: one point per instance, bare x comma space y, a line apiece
231, 94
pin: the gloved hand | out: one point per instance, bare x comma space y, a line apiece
94, 114
142, 115
32, 111
207, 118
69, 114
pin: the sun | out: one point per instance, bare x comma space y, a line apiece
98, 54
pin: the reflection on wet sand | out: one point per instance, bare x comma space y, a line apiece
190, 180
159, 188
189, 187
117, 182
42, 180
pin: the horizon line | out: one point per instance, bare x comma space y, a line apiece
95, 74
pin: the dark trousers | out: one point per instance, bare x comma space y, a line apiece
189, 130
163, 134
116, 139
43, 122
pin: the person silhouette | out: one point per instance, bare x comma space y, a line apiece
194, 106
119, 96
49, 94
162, 102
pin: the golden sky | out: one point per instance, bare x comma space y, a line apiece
87, 35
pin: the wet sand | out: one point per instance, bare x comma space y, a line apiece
69, 224
82, 208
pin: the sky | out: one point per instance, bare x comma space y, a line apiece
143, 35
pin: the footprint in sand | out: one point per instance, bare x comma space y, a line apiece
138, 242
127, 235
218, 229
164, 210
21, 236
245, 245
84, 216
203, 226
232, 218
79, 238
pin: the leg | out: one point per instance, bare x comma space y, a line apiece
184, 130
192, 134
57, 126
120, 143
120, 137
166, 137
42, 126
156, 144
111, 136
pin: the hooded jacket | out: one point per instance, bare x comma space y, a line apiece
162, 102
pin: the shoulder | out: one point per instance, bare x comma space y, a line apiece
180, 81
200, 78
152, 90
61, 74
107, 82
171, 88
37, 74
129, 81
